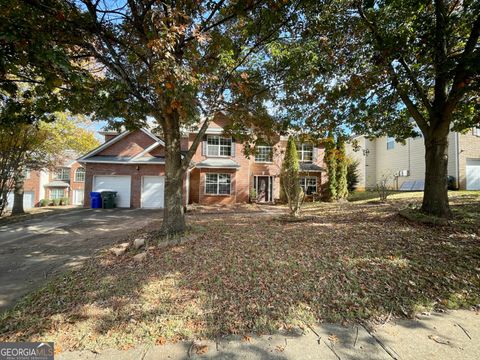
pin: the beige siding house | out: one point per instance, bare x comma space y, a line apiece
403, 164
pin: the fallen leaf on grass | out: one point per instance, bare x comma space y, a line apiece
161, 341
439, 340
201, 349
247, 339
333, 338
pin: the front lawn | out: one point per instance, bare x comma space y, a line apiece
244, 273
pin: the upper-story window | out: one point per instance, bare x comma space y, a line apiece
219, 146
390, 142
62, 174
476, 131
26, 174
305, 152
80, 174
263, 153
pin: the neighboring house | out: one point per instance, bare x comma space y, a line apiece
133, 164
67, 180
404, 164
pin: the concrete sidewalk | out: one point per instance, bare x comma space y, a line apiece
453, 335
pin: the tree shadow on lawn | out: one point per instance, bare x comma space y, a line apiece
250, 274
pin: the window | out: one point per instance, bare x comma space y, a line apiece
57, 193
309, 184
305, 152
62, 174
263, 153
80, 174
219, 146
476, 131
390, 142
217, 184
26, 174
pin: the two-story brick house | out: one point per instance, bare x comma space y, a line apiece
65, 181
133, 164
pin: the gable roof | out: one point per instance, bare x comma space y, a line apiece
137, 159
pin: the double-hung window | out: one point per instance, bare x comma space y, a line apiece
62, 174
80, 174
308, 184
305, 152
217, 184
390, 142
219, 146
57, 193
263, 153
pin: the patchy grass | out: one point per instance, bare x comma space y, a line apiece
250, 273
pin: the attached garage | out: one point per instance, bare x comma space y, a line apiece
473, 174
153, 192
118, 183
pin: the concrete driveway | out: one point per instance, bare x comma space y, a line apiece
34, 250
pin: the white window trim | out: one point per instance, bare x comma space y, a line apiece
26, 174
390, 140
218, 184
301, 151
476, 131
63, 170
304, 186
56, 189
219, 146
75, 175
271, 154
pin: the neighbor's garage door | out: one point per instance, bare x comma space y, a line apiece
153, 190
27, 200
120, 184
473, 174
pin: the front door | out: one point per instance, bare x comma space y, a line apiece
263, 188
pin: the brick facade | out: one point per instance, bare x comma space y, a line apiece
468, 148
242, 177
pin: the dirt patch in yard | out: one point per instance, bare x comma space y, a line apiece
249, 273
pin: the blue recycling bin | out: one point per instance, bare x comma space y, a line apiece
95, 200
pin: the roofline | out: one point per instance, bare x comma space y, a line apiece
112, 141
104, 145
129, 162
217, 167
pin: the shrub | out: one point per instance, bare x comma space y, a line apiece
44, 202
342, 169
352, 175
331, 162
290, 178
64, 201
56, 202
253, 195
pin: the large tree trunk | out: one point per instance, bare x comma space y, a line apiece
17, 208
174, 217
435, 196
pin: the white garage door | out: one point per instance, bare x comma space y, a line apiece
28, 197
153, 189
473, 174
120, 184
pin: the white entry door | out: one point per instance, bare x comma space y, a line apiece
153, 190
473, 174
77, 197
120, 184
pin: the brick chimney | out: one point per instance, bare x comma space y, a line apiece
109, 135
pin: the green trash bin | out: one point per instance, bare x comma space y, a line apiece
109, 199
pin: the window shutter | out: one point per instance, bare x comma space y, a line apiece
233, 148
315, 154
204, 146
